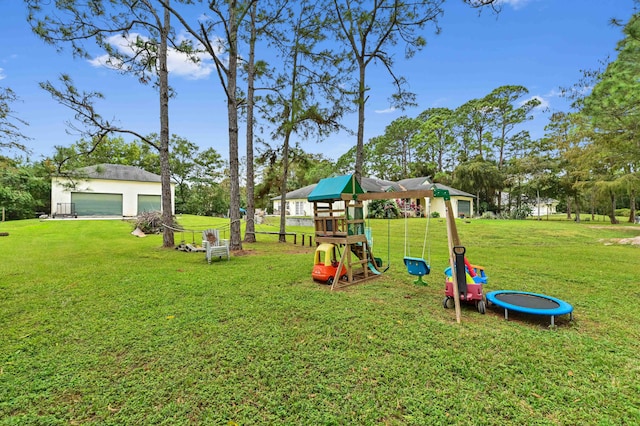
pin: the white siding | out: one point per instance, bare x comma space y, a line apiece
129, 190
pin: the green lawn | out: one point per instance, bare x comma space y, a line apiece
98, 326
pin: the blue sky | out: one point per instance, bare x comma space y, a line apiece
540, 44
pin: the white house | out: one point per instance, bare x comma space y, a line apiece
296, 203
461, 202
538, 206
543, 206
108, 190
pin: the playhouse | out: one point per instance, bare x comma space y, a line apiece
339, 220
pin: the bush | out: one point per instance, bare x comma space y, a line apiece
435, 215
520, 212
623, 212
383, 209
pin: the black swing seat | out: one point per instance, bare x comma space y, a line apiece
417, 266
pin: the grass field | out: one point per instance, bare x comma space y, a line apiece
100, 327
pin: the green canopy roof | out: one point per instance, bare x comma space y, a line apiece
331, 189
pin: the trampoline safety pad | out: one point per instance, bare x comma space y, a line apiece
529, 303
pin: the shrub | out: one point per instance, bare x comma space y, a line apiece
520, 212
383, 209
623, 212
435, 215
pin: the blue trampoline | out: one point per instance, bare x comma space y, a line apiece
530, 303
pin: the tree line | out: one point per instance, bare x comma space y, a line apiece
588, 156
308, 88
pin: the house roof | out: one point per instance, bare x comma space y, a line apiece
425, 183
414, 183
298, 193
379, 185
452, 191
332, 188
118, 172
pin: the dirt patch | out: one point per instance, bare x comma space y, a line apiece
243, 253
625, 228
632, 241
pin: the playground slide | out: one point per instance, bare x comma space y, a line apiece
373, 269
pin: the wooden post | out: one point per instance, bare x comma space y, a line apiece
336, 278
453, 240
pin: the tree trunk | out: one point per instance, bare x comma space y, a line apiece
612, 215
283, 190
360, 137
632, 207
249, 233
165, 168
232, 111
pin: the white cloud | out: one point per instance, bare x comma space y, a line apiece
178, 63
2, 74
385, 111
544, 104
516, 4
553, 93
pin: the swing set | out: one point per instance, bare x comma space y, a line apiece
344, 227
417, 266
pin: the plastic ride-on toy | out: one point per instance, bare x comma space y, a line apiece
471, 279
326, 264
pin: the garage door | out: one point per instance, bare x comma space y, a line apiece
149, 203
92, 204
464, 208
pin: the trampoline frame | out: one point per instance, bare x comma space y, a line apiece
562, 309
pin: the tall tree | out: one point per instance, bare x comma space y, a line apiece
507, 115
250, 228
564, 132
114, 150
11, 137
24, 189
401, 133
368, 30
481, 177
613, 110
476, 118
435, 141
308, 99
265, 23
218, 34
